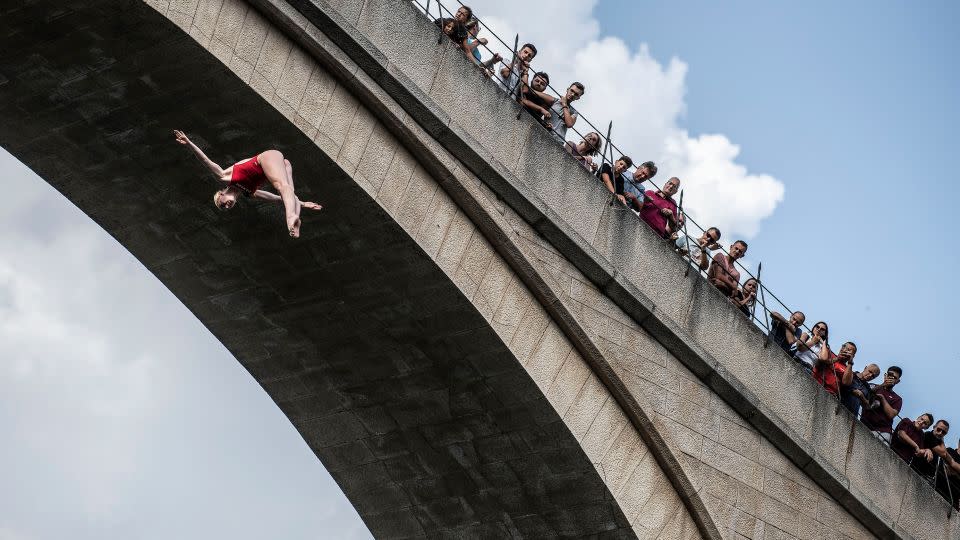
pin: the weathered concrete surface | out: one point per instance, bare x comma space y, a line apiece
846, 468
396, 379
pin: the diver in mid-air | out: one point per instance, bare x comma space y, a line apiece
248, 175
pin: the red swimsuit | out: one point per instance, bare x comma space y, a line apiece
248, 175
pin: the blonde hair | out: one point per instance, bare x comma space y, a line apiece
216, 197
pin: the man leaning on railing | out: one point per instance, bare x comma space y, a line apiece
613, 176
786, 332
723, 273
699, 249
908, 437
515, 74
659, 210
633, 191
931, 446
562, 114
534, 98
858, 394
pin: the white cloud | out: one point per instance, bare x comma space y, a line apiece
67, 376
645, 100
120, 410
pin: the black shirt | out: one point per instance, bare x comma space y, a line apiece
852, 402
531, 96
921, 465
953, 490
617, 182
778, 334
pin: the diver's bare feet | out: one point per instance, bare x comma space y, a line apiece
294, 226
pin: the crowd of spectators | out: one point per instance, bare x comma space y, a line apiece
875, 403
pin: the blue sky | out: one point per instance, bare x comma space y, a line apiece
122, 411
853, 106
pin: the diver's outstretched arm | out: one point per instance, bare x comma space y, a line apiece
184, 140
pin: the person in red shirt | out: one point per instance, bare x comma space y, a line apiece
832, 370
659, 210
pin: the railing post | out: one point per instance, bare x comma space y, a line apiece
763, 304
686, 273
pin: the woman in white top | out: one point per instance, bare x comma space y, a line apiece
809, 345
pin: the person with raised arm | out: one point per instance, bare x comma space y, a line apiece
746, 298
879, 418
786, 332
809, 345
699, 249
535, 99
471, 46
562, 114
516, 73
833, 370
246, 176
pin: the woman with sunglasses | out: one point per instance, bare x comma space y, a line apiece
808, 348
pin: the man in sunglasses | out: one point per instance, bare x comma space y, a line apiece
925, 462
886, 405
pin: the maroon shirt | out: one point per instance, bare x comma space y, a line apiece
650, 211
875, 419
904, 450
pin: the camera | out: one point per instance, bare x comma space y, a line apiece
871, 397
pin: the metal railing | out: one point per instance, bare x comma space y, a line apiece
609, 147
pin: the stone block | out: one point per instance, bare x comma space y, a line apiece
205, 20
229, 24
376, 157
586, 406
549, 356
604, 430
252, 36
390, 28
295, 76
